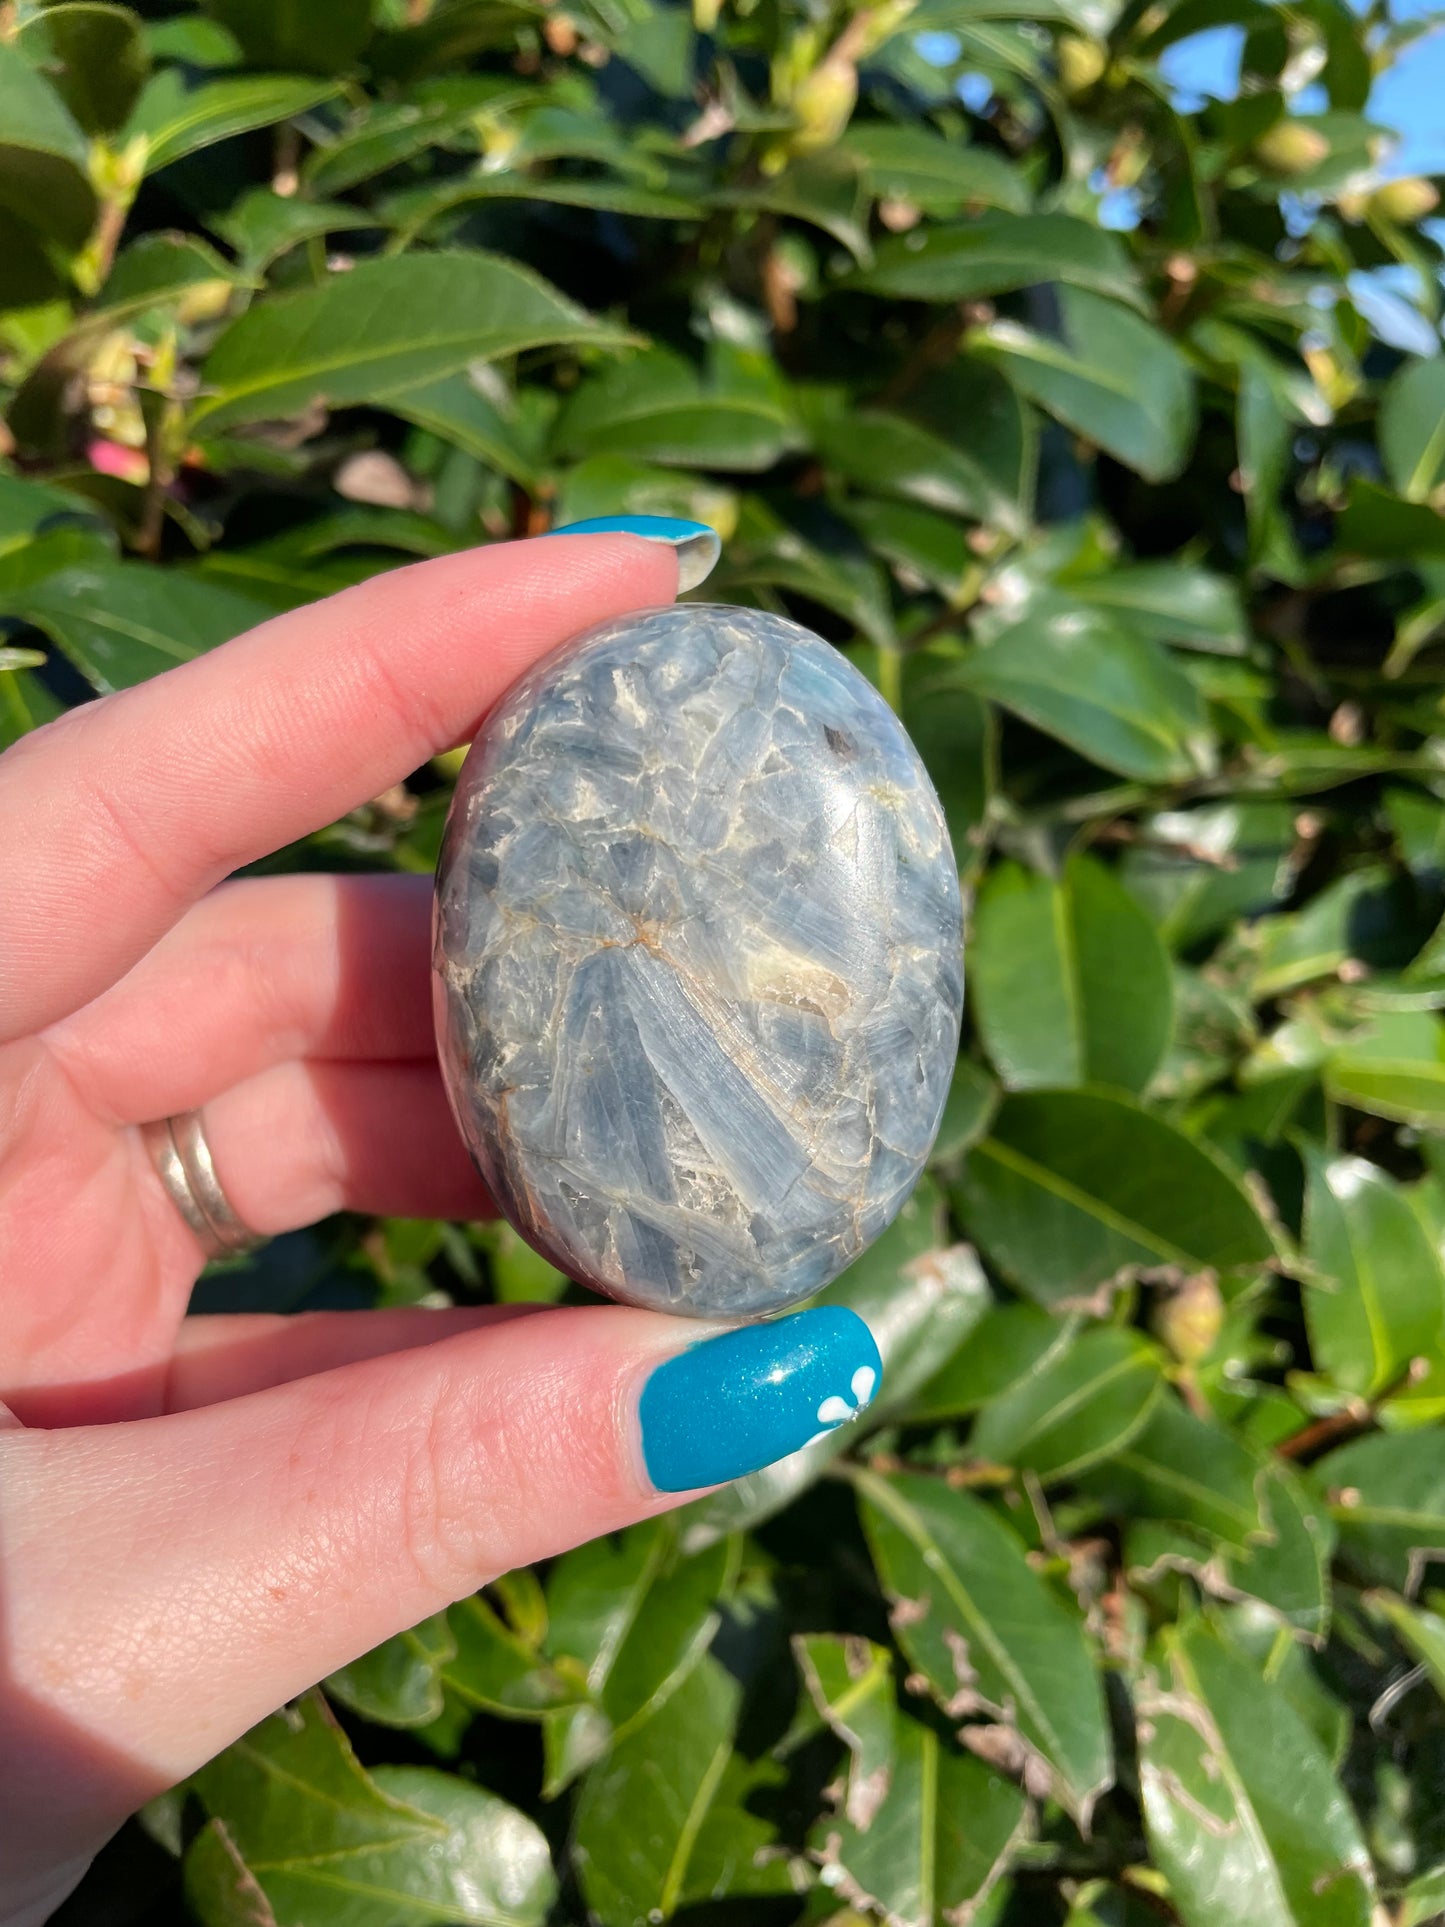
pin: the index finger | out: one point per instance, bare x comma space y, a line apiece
115, 818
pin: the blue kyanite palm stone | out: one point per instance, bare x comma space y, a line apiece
698, 960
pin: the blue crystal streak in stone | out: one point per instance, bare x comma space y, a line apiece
698, 952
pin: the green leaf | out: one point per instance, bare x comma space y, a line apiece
826, 190
1191, 608
296, 1821
1196, 870
121, 622
496, 1669
385, 325
1288, 1569
1410, 1091
316, 36
1387, 1496
912, 163
955, 733
1112, 377
994, 255
1378, 1300
44, 183
939, 1841
1083, 1406
1010, 1344
767, 554
1072, 1186
1071, 984
1117, 698
642, 1812
1421, 1633
1286, 1663
921, 1300
25, 703
970, 1105
894, 456
28, 507
175, 120
850, 1682
985, 1630
263, 225
399, 1682
95, 57
1242, 1810
158, 269
1412, 429
1191, 1470
657, 407
632, 1617
482, 417
1356, 917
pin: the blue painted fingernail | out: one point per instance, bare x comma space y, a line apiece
698, 547
733, 1404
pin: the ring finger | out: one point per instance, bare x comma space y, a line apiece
304, 1139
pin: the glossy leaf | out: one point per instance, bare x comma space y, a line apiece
1184, 1468
850, 1682
996, 253
1287, 1568
399, 1682
296, 1819
1378, 1298
658, 408
640, 1841
1412, 430
911, 163
632, 1617
1242, 1810
1109, 375
1387, 1496
44, 184
94, 56
385, 325
121, 622
985, 1630
939, 1840
1071, 985
1071, 1186
321, 36
1115, 697
1083, 1406
174, 120
1011, 1344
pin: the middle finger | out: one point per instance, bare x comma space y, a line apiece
261, 972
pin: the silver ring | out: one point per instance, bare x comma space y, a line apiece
181, 1154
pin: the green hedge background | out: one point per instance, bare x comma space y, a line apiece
1048, 400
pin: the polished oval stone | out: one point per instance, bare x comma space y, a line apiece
698, 960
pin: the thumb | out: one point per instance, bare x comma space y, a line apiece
169, 1582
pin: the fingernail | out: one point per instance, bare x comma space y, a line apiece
733, 1404
698, 547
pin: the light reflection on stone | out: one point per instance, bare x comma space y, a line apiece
698, 960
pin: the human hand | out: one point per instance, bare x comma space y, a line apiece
199, 1518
